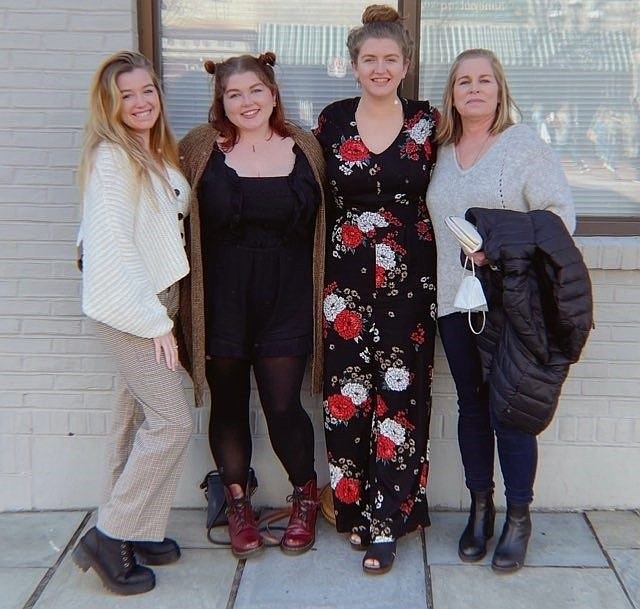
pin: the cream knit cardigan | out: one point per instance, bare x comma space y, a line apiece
132, 246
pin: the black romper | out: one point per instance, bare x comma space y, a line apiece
379, 318
257, 240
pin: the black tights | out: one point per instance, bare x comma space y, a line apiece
279, 381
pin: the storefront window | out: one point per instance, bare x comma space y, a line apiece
574, 69
308, 38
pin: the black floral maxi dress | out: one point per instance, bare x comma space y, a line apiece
379, 317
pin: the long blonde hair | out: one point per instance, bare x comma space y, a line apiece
450, 126
105, 125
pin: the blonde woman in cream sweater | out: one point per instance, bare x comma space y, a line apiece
133, 256
485, 160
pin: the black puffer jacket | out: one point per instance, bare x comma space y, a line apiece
540, 312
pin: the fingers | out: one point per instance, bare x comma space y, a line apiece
166, 348
158, 348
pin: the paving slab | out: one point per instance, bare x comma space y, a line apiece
470, 587
620, 529
17, 585
187, 527
201, 579
558, 540
627, 565
36, 539
330, 576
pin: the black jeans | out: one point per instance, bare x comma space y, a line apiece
517, 451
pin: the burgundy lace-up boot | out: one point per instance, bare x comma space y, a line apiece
243, 528
300, 534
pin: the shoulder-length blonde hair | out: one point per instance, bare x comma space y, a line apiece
450, 126
105, 124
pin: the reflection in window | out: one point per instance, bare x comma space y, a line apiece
574, 69
308, 38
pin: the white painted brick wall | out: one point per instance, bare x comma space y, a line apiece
56, 386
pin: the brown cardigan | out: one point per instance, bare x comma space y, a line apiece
195, 150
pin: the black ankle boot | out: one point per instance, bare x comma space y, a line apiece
114, 562
473, 542
512, 547
157, 552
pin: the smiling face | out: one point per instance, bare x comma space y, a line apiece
139, 101
248, 103
476, 90
380, 67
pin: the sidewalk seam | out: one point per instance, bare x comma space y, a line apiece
46, 578
609, 561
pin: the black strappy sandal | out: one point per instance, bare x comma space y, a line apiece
384, 553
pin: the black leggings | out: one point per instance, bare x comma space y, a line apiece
279, 381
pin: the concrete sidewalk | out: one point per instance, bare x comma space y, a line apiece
575, 561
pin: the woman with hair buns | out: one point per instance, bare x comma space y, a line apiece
256, 238
133, 256
379, 297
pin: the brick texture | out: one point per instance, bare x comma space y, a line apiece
56, 385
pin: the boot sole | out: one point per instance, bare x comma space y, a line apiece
466, 558
506, 570
295, 550
247, 553
85, 561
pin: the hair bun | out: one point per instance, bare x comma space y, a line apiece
268, 58
379, 12
210, 66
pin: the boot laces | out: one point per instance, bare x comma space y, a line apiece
240, 510
127, 555
300, 505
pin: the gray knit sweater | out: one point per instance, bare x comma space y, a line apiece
518, 172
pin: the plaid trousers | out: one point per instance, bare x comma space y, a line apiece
150, 431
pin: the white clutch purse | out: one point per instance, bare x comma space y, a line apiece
465, 232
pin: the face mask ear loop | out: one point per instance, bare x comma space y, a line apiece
484, 317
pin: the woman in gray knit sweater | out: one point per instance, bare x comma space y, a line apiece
486, 160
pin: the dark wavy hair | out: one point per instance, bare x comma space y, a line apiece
262, 67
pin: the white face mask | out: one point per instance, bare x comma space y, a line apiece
470, 296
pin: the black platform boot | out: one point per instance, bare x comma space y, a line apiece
512, 547
162, 552
473, 542
114, 562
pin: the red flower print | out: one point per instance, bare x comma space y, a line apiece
411, 147
365, 407
417, 336
385, 448
341, 406
380, 279
348, 324
348, 490
423, 475
401, 418
407, 506
427, 149
424, 231
381, 407
351, 235
353, 150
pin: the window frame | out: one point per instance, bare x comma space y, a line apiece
148, 13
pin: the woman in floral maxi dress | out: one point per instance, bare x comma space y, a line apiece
379, 308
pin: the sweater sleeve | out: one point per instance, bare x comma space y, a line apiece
546, 186
117, 289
